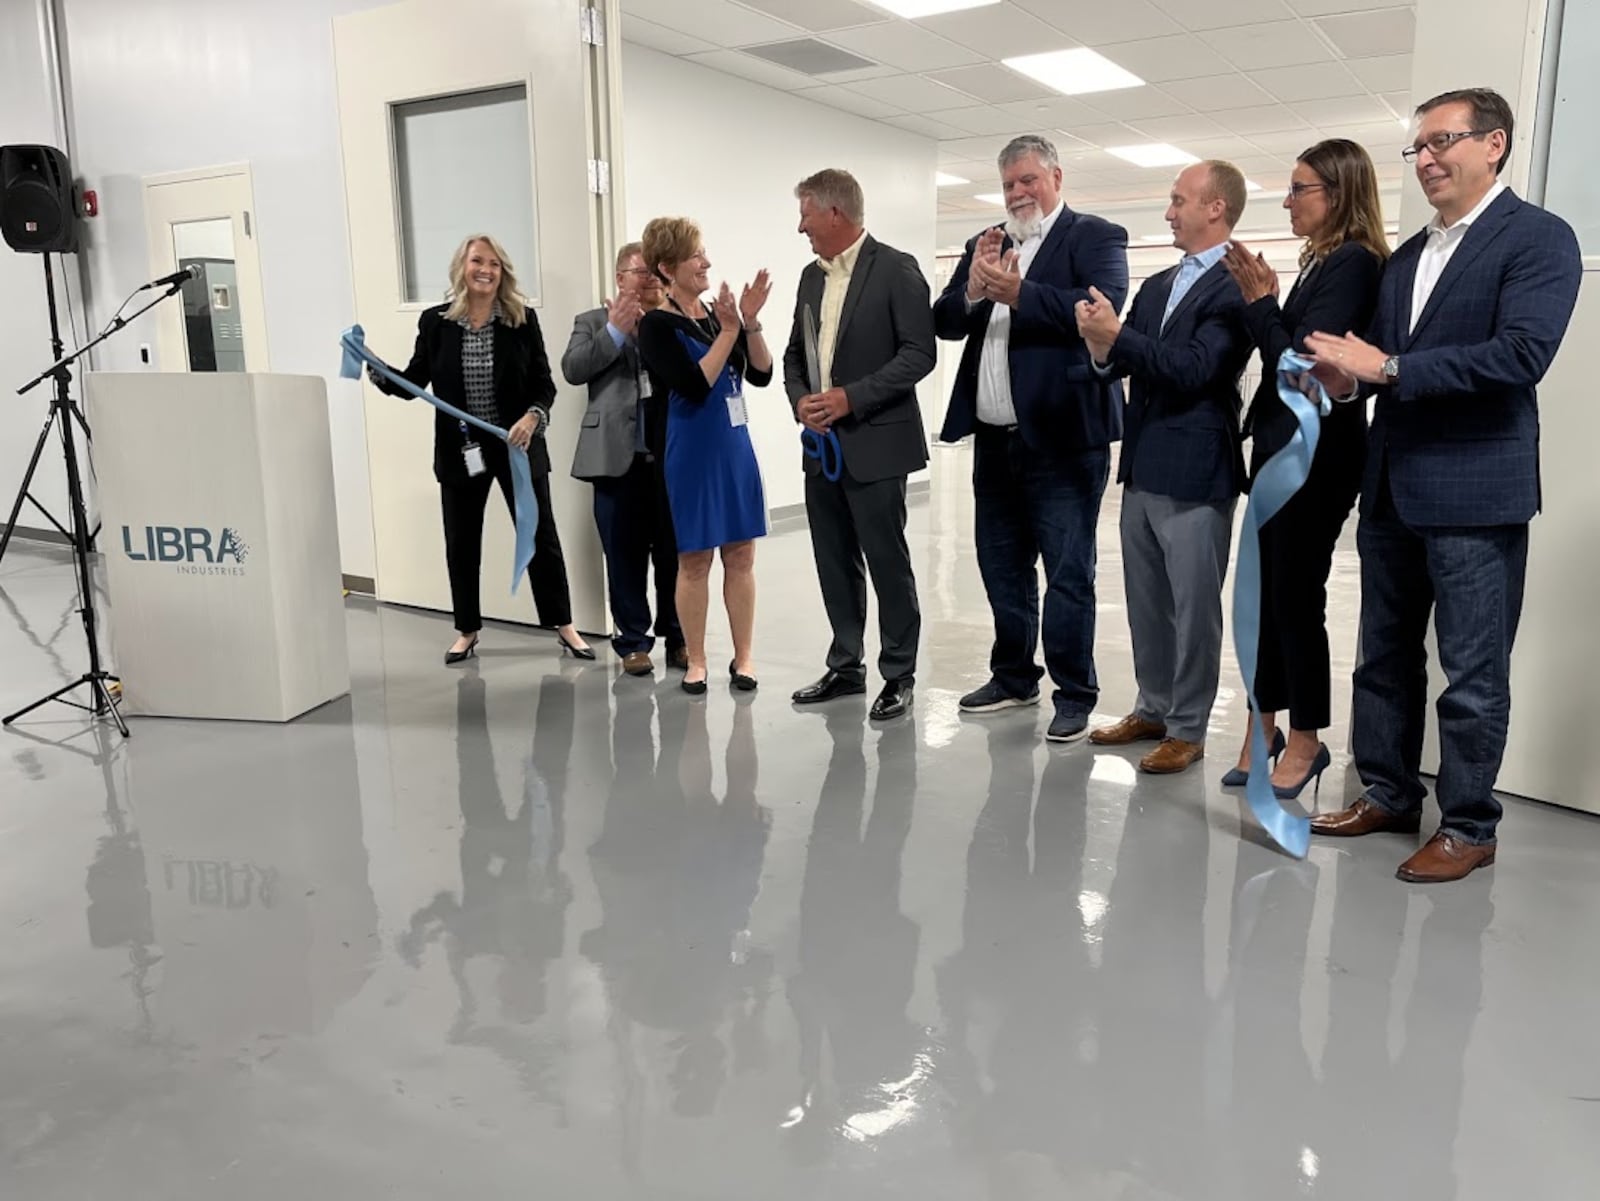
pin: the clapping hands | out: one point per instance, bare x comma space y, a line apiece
1098, 324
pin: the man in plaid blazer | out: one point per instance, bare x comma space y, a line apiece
1470, 314
1183, 349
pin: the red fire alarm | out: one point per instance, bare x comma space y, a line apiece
89, 204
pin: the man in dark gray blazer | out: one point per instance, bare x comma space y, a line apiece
874, 341
619, 451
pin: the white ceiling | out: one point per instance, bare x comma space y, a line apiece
1252, 81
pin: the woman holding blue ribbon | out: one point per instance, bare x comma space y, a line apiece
1333, 205
700, 358
481, 351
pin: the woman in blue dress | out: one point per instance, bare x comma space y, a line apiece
700, 359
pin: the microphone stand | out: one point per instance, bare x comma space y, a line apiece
102, 701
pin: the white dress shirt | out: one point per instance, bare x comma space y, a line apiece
836, 273
1442, 244
994, 367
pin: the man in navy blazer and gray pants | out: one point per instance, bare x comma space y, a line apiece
1470, 314
1183, 348
1044, 423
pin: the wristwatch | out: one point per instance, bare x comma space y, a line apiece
1391, 368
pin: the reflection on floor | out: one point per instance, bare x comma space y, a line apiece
533, 928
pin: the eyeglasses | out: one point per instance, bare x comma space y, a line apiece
636, 271
1297, 190
1440, 142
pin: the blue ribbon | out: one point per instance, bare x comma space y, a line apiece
1280, 478
353, 341
825, 449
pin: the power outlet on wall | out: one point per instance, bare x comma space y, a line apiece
144, 354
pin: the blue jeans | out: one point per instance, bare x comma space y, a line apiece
1032, 506
1471, 579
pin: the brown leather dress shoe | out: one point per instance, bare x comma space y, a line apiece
637, 664
1443, 858
1171, 757
1364, 817
678, 658
1131, 728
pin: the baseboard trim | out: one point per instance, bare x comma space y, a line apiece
365, 585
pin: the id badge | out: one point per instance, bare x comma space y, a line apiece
738, 414
472, 453
646, 389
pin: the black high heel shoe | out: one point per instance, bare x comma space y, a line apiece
742, 682
1322, 761
451, 658
577, 652
1238, 777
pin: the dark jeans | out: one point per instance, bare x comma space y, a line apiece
463, 547
1471, 579
1032, 506
635, 525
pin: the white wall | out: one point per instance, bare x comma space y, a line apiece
728, 153
27, 117
167, 85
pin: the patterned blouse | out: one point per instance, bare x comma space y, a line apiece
477, 372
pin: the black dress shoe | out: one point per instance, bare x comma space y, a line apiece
741, 681
831, 686
893, 701
452, 657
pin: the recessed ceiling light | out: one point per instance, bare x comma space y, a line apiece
1251, 185
1074, 72
943, 179
928, 8
992, 198
1153, 154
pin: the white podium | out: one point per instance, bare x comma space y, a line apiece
220, 542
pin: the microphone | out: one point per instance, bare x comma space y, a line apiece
177, 277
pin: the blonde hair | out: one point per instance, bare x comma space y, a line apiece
1226, 183
513, 308
672, 240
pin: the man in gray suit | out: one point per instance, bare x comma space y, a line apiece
620, 445
857, 398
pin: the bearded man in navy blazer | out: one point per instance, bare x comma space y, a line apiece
1470, 314
1183, 347
1044, 423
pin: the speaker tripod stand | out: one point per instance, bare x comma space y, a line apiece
103, 699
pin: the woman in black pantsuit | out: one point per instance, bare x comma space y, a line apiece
1333, 205
482, 353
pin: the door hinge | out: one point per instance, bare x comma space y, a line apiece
591, 27
247, 232
599, 177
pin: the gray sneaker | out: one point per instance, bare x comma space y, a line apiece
1068, 727
992, 698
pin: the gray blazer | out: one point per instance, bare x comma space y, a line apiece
606, 438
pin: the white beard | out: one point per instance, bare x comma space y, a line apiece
1021, 229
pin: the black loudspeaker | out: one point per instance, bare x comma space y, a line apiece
37, 212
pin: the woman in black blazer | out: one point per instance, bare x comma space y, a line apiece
1333, 204
482, 352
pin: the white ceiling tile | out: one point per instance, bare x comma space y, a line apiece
819, 16
979, 119
1323, 8
1098, 23
1217, 92
904, 45
1286, 142
993, 83
1269, 118
1309, 81
746, 66
1359, 35
1179, 130
999, 32
1109, 134
972, 150
1276, 44
1231, 147
720, 22
851, 102
1157, 60
1400, 103
1056, 112
1131, 104
926, 126
910, 92
1388, 73
1348, 110
1268, 170
877, 72
1221, 14
659, 37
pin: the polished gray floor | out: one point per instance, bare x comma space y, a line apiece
533, 929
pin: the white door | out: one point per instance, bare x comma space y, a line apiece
206, 219
471, 117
